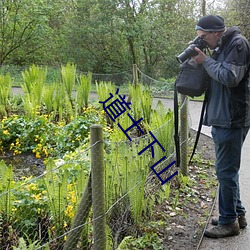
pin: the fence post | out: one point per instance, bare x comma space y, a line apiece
135, 74
184, 135
98, 195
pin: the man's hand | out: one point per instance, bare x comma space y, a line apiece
200, 58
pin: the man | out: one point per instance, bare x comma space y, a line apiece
228, 112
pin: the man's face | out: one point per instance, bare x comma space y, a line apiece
211, 38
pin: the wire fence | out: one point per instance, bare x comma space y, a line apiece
56, 210
160, 87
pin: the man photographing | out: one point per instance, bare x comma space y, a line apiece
228, 112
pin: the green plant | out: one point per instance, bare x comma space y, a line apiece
68, 74
183, 181
29, 245
48, 98
43, 137
176, 199
147, 241
56, 187
34, 81
162, 126
6, 184
30, 207
105, 90
167, 188
141, 102
83, 91
5, 90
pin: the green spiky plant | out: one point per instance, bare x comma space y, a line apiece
141, 102
68, 74
48, 98
6, 203
6, 184
162, 125
5, 90
83, 91
33, 85
104, 89
56, 185
62, 106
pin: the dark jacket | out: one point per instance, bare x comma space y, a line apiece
229, 90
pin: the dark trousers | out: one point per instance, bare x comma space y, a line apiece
228, 145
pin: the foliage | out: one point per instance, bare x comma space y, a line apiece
68, 74
147, 241
34, 81
5, 90
50, 201
22, 245
30, 204
43, 137
106, 36
83, 91
163, 124
141, 102
6, 184
126, 171
22, 23
236, 13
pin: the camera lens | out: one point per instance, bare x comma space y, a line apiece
190, 51
187, 53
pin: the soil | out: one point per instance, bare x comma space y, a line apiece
24, 164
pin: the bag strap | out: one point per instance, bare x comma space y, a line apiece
176, 126
199, 127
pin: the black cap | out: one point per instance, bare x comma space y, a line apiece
210, 23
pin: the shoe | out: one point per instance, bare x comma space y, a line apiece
241, 219
221, 230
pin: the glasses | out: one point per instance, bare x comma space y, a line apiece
203, 36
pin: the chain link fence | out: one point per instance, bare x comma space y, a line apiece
72, 206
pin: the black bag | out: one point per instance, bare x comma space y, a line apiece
192, 80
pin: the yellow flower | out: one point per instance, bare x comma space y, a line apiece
6, 132
37, 196
14, 209
38, 155
45, 151
16, 152
73, 199
69, 211
31, 187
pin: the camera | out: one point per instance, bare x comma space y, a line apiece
190, 51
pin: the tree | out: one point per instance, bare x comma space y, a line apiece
237, 13
21, 21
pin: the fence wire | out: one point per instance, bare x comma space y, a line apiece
41, 211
